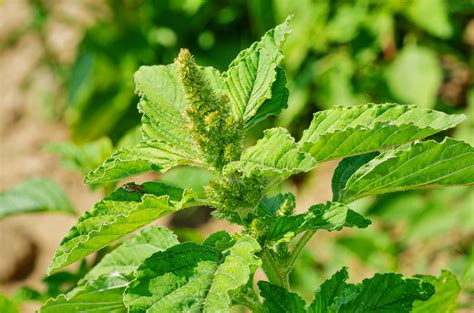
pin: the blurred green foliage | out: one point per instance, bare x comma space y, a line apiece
341, 53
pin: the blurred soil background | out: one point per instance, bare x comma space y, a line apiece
27, 242
42, 42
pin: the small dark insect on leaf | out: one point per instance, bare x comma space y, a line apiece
133, 188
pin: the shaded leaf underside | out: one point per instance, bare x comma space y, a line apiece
415, 165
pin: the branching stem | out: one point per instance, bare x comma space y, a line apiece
298, 248
278, 269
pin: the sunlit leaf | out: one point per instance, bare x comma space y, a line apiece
276, 154
157, 156
131, 253
253, 74
120, 213
103, 295
190, 277
351, 130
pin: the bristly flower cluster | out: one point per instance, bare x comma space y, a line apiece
215, 132
238, 196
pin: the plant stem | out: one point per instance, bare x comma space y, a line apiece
278, 269
276, 273
298, 248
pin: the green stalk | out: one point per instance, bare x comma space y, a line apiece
275, 270
298, 248
278, 269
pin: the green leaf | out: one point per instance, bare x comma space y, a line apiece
417, 165
166, 142
220, 240
330, 216
385, 293
7, 305
268, 208
196, 178
278, 101
190, 277
252, 77
278, 299
132, 137
444, 300
330, 291
131, 253
34, 195
382, 293
415, 76
276, 154
157, 156
103, 295
162, 101
82, 158
350, 130
432, 15
346, 168
123, 211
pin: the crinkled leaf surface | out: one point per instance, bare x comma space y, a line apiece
330, 290
101, 290
382, 293
162, 100
103, 295
415, 165
276, 154
330, 216
192, 278
157, 156
120, 213
252, 77
132, 252
350, 130
166, 143
389, 293
34, 195
444, 300
278, 299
